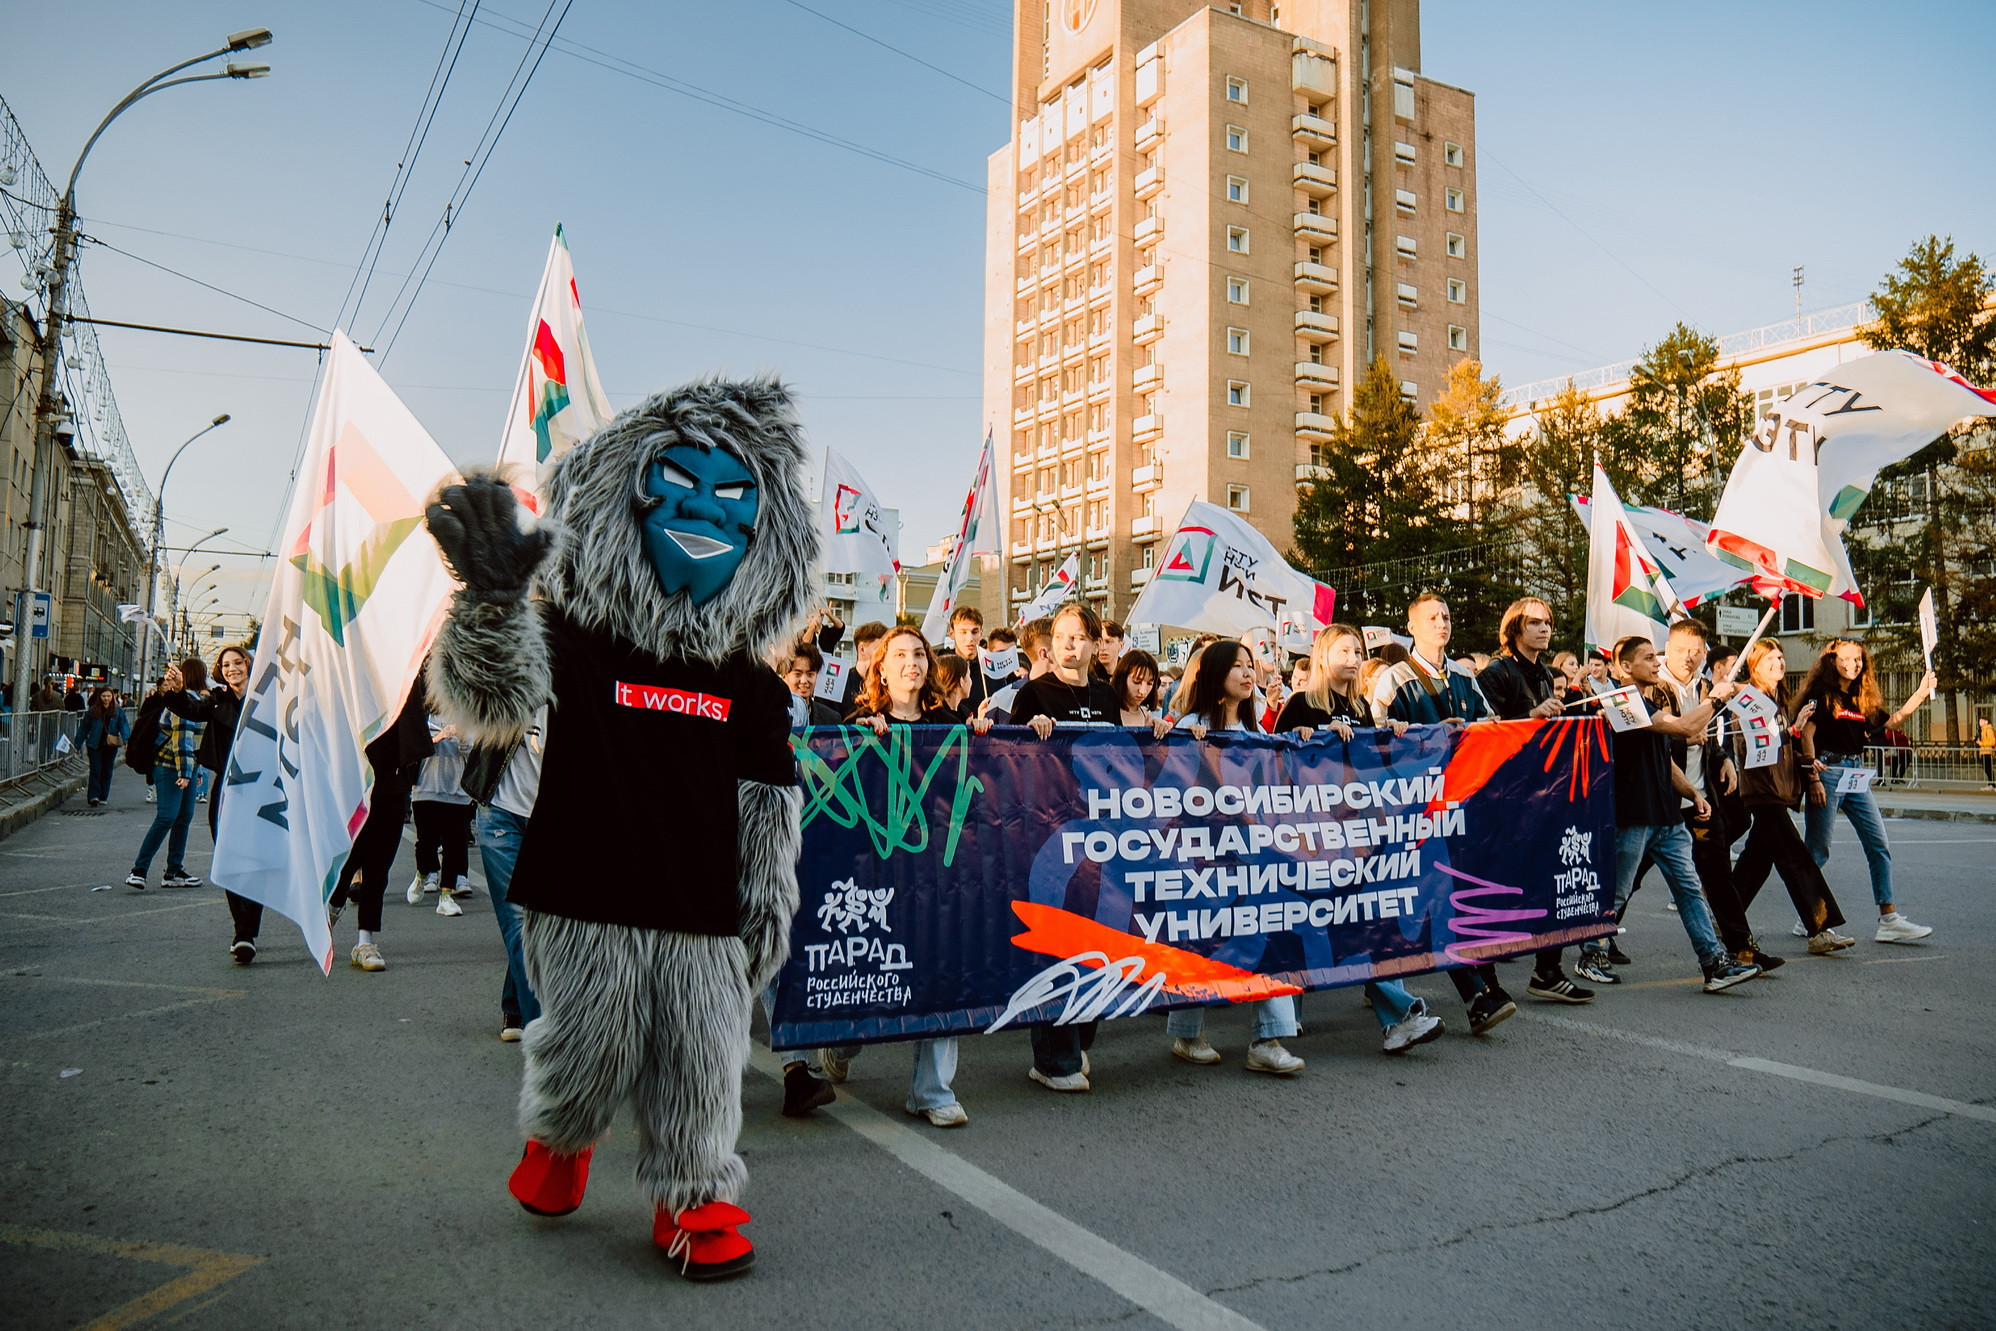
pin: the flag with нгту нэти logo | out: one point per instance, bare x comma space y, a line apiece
1627, 593
558, 400
353, 608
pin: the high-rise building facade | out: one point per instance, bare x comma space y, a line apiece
1208, 223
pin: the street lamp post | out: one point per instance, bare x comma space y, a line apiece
49, 409
159, 533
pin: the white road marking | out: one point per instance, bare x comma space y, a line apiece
1157, 1292
1895, 961
1788, 1070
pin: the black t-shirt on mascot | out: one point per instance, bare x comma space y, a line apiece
1093, 703
635, 743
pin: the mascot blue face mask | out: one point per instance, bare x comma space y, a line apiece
698, 510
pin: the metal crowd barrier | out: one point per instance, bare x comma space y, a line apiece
1936, 767
38, 742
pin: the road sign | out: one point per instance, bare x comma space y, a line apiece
1737, 621
38, 614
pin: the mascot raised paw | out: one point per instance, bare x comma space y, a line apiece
658, 876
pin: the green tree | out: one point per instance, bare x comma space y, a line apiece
1931, 521
1557, 463
1470, 470
1676, 441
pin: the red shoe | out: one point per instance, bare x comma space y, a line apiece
703, 1240
547, 1183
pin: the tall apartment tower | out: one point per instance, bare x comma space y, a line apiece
1208, 223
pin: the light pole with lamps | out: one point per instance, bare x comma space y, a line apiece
159, 533
49, 409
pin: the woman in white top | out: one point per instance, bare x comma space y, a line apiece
1221, 697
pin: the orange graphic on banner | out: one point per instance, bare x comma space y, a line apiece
1061, 933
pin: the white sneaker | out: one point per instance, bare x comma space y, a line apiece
1195, 1050
150, 792
1072, 1082
949, 1116
367, 957
1418, 1028
1824, 943
1896, 928
463, 888
1800, 930
836, 1066
414, 896
447, 905
1270, 1056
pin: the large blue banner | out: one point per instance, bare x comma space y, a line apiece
955, 883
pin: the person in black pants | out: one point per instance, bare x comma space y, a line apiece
219, 709
1521, 687
395, 757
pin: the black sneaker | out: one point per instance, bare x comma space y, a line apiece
136, 881
243, 950
1753, 955
1617, 956
1558, 989
1723, 975
1595, 969
1490, 1009
181, 879
803, 1092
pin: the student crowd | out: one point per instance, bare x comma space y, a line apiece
1686, 802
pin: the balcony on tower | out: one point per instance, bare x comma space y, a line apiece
1315, 326
1316, 277
1317, 181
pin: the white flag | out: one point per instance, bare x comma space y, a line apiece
856, 539
353, 608
1677, 544
1058, 588
1814, 458
1930, 627
1220, 575
977, 534
557, 401
1627, 593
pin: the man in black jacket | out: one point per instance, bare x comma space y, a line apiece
1521, 687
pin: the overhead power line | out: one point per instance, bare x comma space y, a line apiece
868, 37
175, 272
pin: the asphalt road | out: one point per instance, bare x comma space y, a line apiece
188, 1144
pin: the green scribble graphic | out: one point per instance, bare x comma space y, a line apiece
838, 792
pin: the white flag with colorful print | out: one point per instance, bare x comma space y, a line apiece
1813, 459
353, 608
1627, 592
1219, 575
1059, 588
1677, 544
856, 540
557, 400
976, 534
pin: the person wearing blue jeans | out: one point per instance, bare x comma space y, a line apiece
929, 1093
1274, 1022
1404, 1018
173, 774
500, 832
1841, 709
1648, 821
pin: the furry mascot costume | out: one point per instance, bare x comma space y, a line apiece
658, 873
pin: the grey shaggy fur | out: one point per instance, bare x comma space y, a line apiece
598, 573
655, 1019
767, 846
489, 672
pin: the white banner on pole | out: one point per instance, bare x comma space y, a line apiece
1060, 586
1220, 575
854, 530
558, 401
976, 534
1812, 461
353, 608
1677, 544
1930, 628
1627, 593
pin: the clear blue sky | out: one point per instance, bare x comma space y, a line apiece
1638, 168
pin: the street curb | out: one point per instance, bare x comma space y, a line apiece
32, 796
1939, 815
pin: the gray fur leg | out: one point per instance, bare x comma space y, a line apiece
689, 1084
768, 844
490, 671
584, 1052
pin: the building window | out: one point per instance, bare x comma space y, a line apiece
1237, 291
1236, 139
1452, 153
1316, 254
1458, 291
1237, 444
1457, 246
1237, 498
1237, 240
1407, 246
1404, 200
1236, 90
1403, 99
1408, 295
1317, 404
1458, 338
1237, 342
1452, 199
1410, 342
1275, 16
1236, 190
1798, 614
1237, 393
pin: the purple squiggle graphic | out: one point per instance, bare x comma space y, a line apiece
1472, 919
